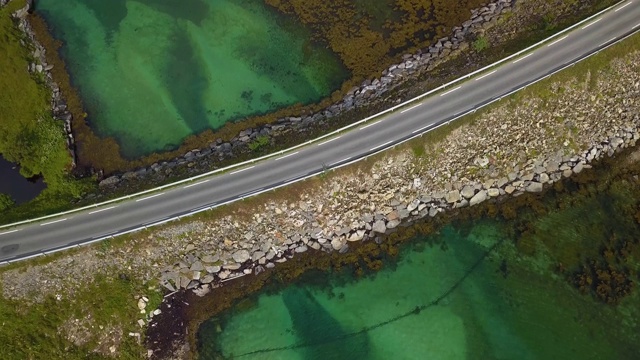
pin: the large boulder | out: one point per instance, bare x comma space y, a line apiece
453, 196
468, 191
534, 187
379, 227
241, 256
478, 198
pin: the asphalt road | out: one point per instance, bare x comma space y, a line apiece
85, 226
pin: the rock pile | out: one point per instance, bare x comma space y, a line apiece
255, 254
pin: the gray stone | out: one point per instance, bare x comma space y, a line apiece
509, 189
578, 168
213, 269
413, 205
301, 249
379, 227
336, 243
502, 182
478, 198
468, 192
196, 266
235, 266
257, 255
493, 192
527, 177
193, 284
207, 279
393, 224
210, 258
356, 236
241, 256
534, 187
453, 196
168, 286
543, 178
403, 213
270, 254
195, 275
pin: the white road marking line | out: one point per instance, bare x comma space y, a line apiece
450, 91
485, 75
198, 183
149, 197
366, 126
381, 145
411, 108
286, 156
53, 222
9, 232
591, 23
608, 41
557, 41
422, 128
337, 162
635, 26
328, 141
623, 6
241, 170
254, 192
103, 235
154, 221
522, 58
101, 210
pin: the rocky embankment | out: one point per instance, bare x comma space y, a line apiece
369, 91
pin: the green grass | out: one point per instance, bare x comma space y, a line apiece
481, 43
32, 331
28, 134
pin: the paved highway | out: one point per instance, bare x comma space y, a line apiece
115, 218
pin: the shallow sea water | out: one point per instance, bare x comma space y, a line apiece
152, 72
464, 293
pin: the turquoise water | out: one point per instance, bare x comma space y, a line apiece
465, 293
152, 72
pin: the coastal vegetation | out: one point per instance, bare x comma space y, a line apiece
29, 136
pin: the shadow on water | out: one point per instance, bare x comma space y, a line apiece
19, 188
320, 331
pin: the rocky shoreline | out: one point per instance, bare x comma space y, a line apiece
202, 272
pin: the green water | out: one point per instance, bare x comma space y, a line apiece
152, 72
464, 293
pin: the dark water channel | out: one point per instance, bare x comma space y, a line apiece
15, 185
